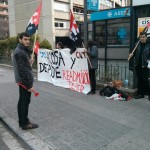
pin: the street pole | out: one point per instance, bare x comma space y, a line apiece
85, 23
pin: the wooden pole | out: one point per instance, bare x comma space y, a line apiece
134, 50
87, 56
32, 56
144, 30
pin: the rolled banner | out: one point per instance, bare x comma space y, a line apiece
33, 91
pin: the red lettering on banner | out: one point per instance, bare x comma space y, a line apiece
81, 77
76, 80
80, 55
75, 86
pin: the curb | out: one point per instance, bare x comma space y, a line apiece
26, 137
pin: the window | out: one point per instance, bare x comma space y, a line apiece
78, 10
100, 34
59, 24
90, 31
118, 34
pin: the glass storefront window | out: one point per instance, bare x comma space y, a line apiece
100, 33
118, 34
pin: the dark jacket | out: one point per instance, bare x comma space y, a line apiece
145, 55
22, 68
93, 56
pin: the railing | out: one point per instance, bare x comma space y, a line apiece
105, 74
5, 60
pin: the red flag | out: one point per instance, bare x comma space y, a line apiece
36, 48
74, 31
34, 21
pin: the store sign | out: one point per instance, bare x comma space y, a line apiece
110, 14
142, 22
93, 5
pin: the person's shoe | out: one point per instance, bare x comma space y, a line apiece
139, 96
89, 93
92, 93
30, 126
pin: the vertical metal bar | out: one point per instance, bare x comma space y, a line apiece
85, 23
118, 71
99, 71
125, 72
111, 71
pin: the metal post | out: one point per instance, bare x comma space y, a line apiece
85, 23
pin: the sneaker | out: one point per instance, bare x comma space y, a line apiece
139, 96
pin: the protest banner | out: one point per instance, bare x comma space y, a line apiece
63, 69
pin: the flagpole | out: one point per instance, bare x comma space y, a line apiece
144, 30
87, 56
133, 50
32, 56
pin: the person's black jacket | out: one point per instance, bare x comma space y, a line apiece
145, 54
22, 68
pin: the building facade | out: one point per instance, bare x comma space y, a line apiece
54, 21
4, 24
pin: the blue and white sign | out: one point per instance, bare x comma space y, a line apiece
93, 5
110, 14
122, 33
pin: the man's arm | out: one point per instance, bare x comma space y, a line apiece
24, 70
93, 52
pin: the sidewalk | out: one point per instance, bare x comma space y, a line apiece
73, 121
130, 91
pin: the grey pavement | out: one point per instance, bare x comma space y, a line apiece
73, 121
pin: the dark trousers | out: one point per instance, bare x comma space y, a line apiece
23, 106
92, 79
143, 83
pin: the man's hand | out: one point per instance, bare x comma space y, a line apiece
130, 55
148, 66
31, 89
31, 61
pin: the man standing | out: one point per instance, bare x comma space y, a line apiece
93, 56
142, 57
24, 78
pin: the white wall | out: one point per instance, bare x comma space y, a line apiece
61, 6
140, 2
12, 26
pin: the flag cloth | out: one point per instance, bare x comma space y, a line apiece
34, 21
36, 48
74, 31
74, 34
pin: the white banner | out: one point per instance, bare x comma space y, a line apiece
62, 69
